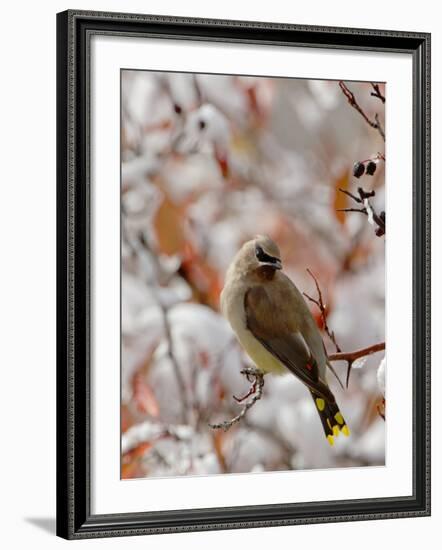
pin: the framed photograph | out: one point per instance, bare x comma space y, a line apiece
243, 239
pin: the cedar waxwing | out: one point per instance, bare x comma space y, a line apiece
275, 326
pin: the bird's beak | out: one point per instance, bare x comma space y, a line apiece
275, 265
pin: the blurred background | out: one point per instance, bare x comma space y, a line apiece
209, 161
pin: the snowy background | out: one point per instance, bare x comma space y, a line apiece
209, 161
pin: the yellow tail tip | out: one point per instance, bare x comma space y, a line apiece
331, 440
336, 430
320, 403
339, 418
345, 430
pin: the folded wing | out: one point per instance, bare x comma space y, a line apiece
277, 333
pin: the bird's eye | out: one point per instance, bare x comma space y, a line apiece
263, 257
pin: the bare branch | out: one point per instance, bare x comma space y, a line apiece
135, 246
176, 368
149, 432
257, 386
353, 355
323, 309
367, 209
359, 199
361, 210
379, 126
352, 101
350, 357
377, 92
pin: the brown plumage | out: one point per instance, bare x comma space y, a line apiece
274, 325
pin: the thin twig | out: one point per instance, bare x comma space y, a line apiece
377, 156
379, 126
357, 354
258, 384
361, 210
367, 209
251, 391
362, 194
173, 360
377, 92
351, 356
323, 309
352, 101
135, 250
330, 333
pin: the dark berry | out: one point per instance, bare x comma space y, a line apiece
380, 231
202, 124
358, 169
177, 109
370, 169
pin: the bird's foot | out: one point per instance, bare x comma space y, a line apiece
252, 371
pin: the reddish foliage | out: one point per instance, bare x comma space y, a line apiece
168, 224
131, 465
218, 440
218, 388
127, 419
165, 124
204, 358
253, 101
223, 163
143, 396
204, 280
340, 199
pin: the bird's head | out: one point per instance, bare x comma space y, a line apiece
259, 256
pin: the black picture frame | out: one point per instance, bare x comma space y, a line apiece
74, 518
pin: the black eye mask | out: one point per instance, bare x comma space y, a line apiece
263, 257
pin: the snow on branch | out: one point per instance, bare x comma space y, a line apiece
256, 378
378, 220
352, 356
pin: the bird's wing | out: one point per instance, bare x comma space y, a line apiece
273, 329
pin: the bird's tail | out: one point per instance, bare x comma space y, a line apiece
331, 417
